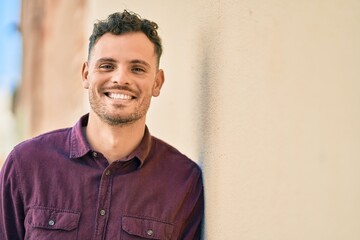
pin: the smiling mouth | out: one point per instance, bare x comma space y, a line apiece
119, 96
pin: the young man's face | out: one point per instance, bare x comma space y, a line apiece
122, 75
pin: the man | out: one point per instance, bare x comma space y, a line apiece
107, 177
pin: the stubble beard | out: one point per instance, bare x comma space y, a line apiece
118, 119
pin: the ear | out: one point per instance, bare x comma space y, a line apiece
85, 73
159, 81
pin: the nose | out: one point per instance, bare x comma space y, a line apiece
120, 77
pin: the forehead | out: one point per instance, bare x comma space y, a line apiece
128, 46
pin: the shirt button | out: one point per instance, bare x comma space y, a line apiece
108, 172
94, 154
51, 223
102, 212
150, 232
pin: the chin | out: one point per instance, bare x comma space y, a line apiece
121, 120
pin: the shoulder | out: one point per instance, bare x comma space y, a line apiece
173, 156
51, 137
176, 169
42, 144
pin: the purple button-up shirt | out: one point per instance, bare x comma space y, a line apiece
56, 187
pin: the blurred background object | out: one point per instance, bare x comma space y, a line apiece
10, 72
264, 95
51, 94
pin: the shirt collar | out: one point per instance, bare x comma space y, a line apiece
79, 145
143, 150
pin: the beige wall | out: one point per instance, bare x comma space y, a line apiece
265, 95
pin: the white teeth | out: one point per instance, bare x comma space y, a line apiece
119, 96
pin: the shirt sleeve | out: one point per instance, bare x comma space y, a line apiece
11, 204
192, 228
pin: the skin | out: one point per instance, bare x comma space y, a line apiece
121, 76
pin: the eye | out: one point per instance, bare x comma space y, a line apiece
138, 70
106, 67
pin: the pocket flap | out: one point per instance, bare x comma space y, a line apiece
51, 218
147, 228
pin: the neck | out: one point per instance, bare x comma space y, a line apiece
114, 142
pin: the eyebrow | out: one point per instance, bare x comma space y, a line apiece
101, 60
135, 61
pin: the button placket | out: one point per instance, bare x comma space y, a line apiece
102, 212
104, 202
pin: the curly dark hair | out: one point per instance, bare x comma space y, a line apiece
119, 23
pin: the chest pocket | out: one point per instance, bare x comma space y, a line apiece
140, 228
51, 223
